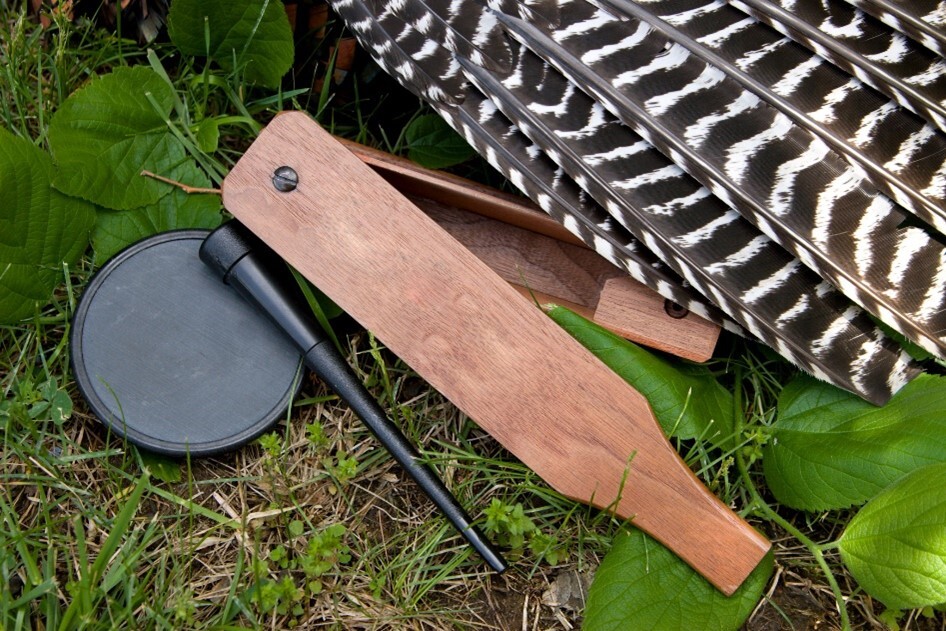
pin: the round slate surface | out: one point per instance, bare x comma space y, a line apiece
170, 357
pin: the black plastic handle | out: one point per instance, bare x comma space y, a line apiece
248, 265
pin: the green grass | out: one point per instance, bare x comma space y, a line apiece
88, 539
40, 69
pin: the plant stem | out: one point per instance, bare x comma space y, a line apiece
817, 550
184, 187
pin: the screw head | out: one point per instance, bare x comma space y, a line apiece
285, 179
674, 310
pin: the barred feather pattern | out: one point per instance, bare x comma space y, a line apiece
924, 21
519, 160
745, 273
912, 75
577, 117
797, 191
901, 152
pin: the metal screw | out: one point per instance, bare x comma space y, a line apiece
674, 310
285, 179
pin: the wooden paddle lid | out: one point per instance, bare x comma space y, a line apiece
496, 357
544, 261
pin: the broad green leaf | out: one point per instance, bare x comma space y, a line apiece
160, 467
686, 398
432, 143
830, 449
118, 229
40, 228
896, 545
643, 585
105, 134
253, 34
208, 135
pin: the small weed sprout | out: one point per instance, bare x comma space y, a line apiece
298, 572
508, 523
342, 468
45, 401
315, 433
510, 527
756, 437
271, 444
185, 608
323, 552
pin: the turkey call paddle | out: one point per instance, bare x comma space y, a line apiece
523, 379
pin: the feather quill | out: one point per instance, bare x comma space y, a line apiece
911, 75
817, 96
920, 20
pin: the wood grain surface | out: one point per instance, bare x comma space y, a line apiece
460, 326
537, 254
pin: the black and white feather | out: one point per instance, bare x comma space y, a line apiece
778, 166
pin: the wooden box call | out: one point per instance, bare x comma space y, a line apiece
469, 334
541, 259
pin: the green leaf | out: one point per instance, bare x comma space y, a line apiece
208, 135
160, 467
686, 398
830, 449
643, 585
105, 134
60, 404
896, 545
60, 407
118, 229
40, 228
432, 143
251, 32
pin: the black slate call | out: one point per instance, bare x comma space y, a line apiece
170, 358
